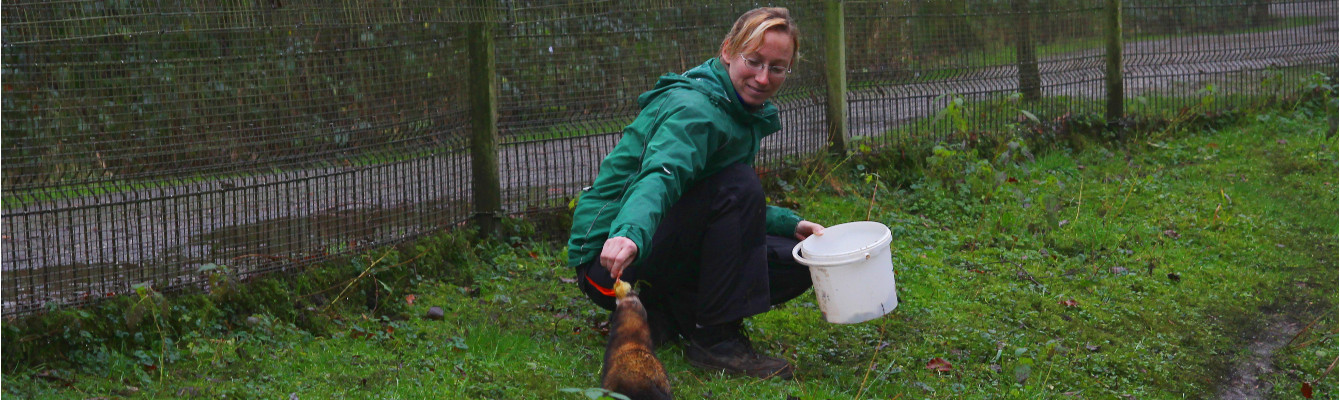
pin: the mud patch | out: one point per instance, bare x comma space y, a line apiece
1244, 379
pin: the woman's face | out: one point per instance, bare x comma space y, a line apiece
757, 76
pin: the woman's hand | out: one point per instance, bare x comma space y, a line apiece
617, 254
804, 229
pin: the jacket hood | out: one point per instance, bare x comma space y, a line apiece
713, 81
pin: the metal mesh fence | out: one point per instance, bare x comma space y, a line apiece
145, 140
923, 70
1215, 54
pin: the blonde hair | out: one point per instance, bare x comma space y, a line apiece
746, 36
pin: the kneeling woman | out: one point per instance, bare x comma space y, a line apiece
678, 208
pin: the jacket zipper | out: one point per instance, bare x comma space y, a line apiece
627, 182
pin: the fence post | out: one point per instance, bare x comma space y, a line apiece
1115, 89
1026, 53
835, 70
487, 189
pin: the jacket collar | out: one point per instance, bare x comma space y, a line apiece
713, 80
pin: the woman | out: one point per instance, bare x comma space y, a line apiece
678, 209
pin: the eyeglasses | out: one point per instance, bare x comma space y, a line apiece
775, 71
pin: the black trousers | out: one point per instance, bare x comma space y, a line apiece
711, 260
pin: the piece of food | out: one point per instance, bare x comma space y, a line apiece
621, 288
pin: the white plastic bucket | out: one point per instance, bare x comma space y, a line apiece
852, 271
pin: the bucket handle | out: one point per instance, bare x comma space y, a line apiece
795, 252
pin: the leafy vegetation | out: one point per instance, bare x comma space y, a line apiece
1092, 267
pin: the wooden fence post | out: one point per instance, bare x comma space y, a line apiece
1115, 89
486, 187
835, 69
1026, 52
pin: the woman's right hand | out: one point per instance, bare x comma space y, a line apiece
618, 253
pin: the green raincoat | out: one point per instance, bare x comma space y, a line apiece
690, 127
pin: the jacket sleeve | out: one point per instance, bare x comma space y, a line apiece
675, 155
781, 221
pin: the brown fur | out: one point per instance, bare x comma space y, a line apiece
631, 367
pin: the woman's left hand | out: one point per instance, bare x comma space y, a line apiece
806, 228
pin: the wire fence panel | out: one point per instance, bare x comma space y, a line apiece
920, 71
1210, 53
146, 140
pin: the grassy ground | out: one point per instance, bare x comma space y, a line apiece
1139, 269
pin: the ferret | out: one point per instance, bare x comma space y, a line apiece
631, 367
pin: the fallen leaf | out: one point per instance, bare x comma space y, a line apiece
939, 365
1306, 390
1091, 347
409, 299
568, 280
1069, 303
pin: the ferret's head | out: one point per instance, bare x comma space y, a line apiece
629, 300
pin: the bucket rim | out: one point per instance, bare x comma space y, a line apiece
854, 256
885, 236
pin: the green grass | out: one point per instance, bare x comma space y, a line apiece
1137, 268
